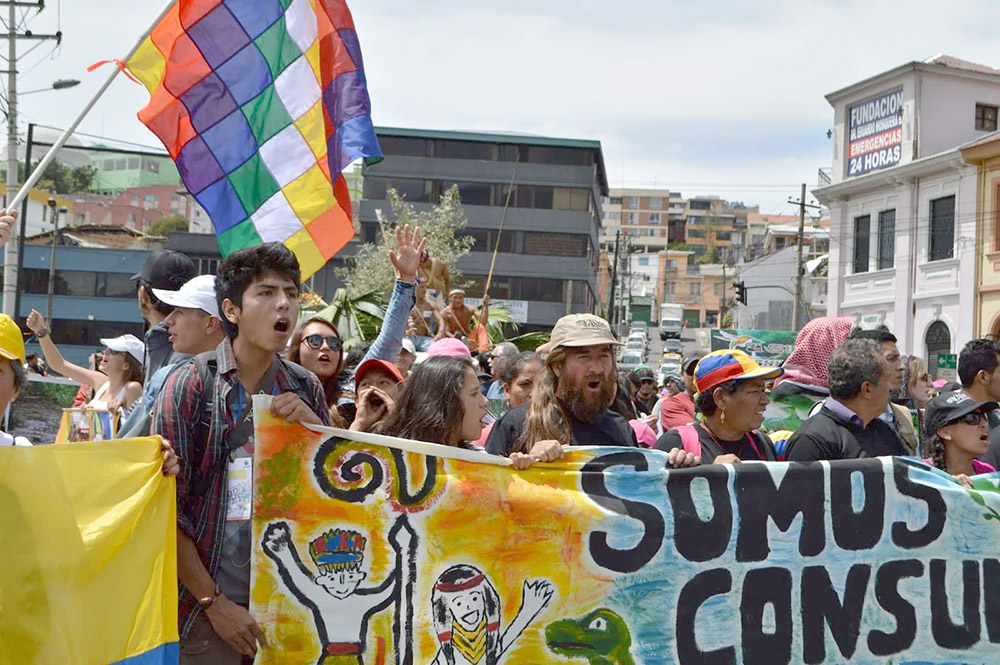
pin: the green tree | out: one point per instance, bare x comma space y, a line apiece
371, 270
168, 224
61, 179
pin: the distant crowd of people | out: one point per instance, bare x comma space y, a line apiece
214, 341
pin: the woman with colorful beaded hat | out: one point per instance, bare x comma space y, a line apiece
731, 399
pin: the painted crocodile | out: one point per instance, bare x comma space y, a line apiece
601, 637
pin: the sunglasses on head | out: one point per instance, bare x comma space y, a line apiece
973, 418
316, 342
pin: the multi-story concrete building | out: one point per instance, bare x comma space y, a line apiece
549, 249
703, 289
716, 227
117, 172
643, 215
903, 202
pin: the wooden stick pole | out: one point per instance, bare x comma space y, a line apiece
503, 219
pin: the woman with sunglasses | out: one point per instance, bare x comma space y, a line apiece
117, 381
956, 433
316, 344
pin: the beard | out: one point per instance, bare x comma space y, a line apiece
584, 404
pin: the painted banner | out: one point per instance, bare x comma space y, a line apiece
875, 133
767, 347
370, 555
88, 566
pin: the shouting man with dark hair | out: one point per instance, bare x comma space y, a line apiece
205, 409
847, 425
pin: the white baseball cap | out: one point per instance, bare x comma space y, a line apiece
196, 293
409, 347
129, 344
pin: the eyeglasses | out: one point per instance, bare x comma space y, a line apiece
316, 342
973, 418
647, 381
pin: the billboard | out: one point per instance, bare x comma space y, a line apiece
768, 347
875, 133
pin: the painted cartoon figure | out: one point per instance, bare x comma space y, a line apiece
601, 637
466, 610
340, 607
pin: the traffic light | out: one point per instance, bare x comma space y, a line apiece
741, 292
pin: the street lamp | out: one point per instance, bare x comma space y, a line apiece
58, 84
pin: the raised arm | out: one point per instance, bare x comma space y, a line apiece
278, 545
55, 359
406, 258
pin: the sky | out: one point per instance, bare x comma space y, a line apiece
722, 97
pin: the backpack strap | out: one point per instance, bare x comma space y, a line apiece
689, 439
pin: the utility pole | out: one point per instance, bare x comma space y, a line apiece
11, 266
797, 303
614, 276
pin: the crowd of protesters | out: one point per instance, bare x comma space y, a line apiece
214, 341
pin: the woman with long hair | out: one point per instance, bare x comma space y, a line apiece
917, 382
956, 433
117, 382
442, 402
316, 343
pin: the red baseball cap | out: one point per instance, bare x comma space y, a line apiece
376, 363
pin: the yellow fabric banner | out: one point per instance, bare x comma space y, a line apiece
88, 554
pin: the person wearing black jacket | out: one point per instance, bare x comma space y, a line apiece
848, 426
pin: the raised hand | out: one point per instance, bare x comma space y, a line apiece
35, 322
535, 595
409, 247
277, 537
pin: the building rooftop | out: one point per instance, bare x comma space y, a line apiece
940, 63
106, 236
504, 137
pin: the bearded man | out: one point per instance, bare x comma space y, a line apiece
571, 400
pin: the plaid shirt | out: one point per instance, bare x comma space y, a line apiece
201, 483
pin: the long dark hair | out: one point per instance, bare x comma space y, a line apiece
331, 385
430, 406
545, 418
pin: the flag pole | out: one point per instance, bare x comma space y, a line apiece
503, 218
36, 174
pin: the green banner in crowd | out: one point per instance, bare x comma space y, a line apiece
767, 347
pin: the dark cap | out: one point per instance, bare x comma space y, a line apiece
949, 407
166, 269
690, 364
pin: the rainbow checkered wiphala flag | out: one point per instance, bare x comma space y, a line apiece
262, 103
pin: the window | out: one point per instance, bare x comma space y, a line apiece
120, 164
724, 235
986, 118
633, 202
471, 193
616, 200
133, 163
942, 240
466, 150
862, 237
695, 233
555, 244
655, 202
414, 191
700, 205
671, 264
644, 261
152, 166
565, 198
403, 145
151, 198
486, 240
654, 218
718, 289
631, 218
668, 288
886, 239
613, 217
696, 289
108, 165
